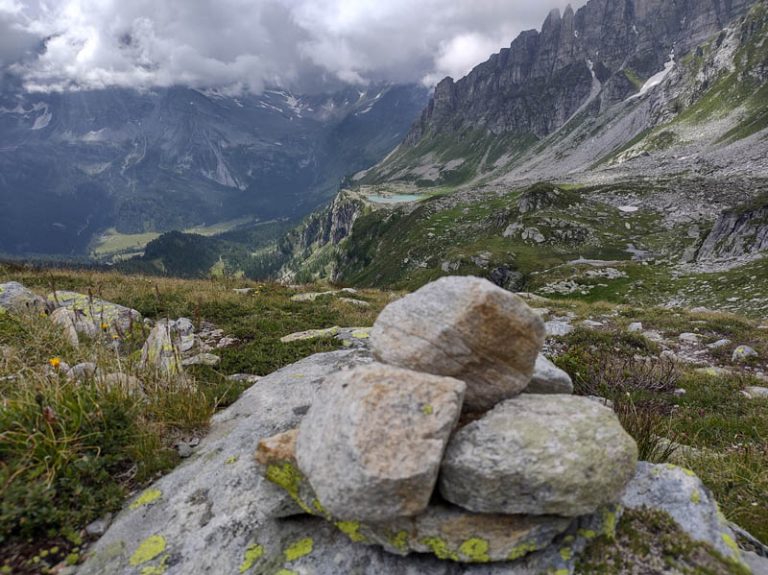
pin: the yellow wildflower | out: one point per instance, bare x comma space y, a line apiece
55, 362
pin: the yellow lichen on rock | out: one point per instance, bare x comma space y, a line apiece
253, 553
150, 548
299, 549
147, 497
475, 550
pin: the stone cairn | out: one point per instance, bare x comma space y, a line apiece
440, 447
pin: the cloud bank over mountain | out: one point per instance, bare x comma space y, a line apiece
245, 45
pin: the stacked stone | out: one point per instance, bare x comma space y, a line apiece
448, 444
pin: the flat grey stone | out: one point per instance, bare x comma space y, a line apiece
549, 379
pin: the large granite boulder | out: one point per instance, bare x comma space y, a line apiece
539, 455
466, 328
371, 446
15, 298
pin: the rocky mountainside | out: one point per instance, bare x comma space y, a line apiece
75, 164
650, 185
593, 83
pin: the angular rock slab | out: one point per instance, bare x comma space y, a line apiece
549, 379
162, 350
15, 298
539, 455
466, 328
371, 447
96, 311
681, 494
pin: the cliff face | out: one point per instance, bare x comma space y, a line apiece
737, 233
544, 78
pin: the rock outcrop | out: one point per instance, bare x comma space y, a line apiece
15, 298
736, 233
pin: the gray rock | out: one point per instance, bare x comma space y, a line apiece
15, 298
226, 342
162, 350
754, 392
689, 338
82, 371
558, 328
684, 497
758, 564
539, 455
99, 527
245, 378
371, 447
549, 379
311, 334
466, 328
720, 344
184, 326
635, 327
590, 324
69, 322
127, 383
101, 314
202, 359
743, 353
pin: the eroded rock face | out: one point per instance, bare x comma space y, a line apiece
539, 454
15, 298
466, 328
371, 447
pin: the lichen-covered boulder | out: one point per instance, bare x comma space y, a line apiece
162, 350
466, 328
98, 313
682, 495
72, 325
539, 455
15, 298
371, 447
549, 379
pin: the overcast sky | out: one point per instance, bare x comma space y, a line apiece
240, 45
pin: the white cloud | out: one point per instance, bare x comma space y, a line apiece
248, 44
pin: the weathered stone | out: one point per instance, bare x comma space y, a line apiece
371, 447
744, 353
280, 448
689, 338
635, 327
101, 314
755, 392
184, 326
539, 455
558, 327
68, 320
202, 359
311, 335
248, 378
719, 344
15, 298
684, 497
162, 350
127, 383
466, 328
82, 371
549, 379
